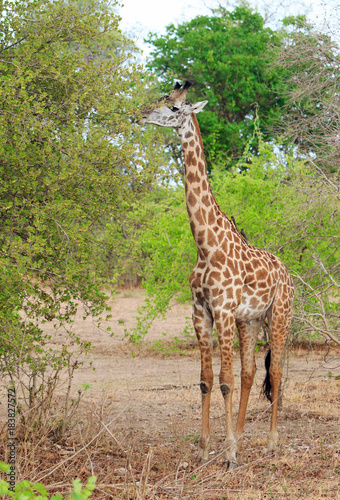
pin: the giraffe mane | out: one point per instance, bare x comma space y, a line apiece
195, 121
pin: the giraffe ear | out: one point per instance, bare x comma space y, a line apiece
196, 108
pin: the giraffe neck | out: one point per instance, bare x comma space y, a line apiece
205, 216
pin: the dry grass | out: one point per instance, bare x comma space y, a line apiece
146, 449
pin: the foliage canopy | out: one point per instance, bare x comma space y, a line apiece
72, 164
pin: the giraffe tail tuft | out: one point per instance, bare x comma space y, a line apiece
266, 386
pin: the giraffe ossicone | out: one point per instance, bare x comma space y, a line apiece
233, 284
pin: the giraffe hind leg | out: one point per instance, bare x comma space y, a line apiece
248, 333
279, 319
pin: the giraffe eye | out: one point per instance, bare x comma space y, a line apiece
173, 108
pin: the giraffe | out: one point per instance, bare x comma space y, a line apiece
233, 284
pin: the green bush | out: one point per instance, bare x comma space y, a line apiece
25, 490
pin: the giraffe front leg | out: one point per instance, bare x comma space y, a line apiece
225, 324
203, 326
205, 441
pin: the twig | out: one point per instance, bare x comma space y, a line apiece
87, 453
108, 430
337, 189
222, 451
146, 471
318, 261
83, 448
134, 481
327, 330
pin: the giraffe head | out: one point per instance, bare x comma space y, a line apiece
172, 110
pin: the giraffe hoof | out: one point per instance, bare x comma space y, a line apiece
231, 465
202, 457
272, 445
270, 453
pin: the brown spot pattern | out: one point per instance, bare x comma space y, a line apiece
232, 283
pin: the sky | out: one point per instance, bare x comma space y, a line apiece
139, 17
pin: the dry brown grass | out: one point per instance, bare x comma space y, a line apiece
146, 449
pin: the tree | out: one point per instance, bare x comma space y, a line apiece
311, 89
224, 55
311, 123
72, 165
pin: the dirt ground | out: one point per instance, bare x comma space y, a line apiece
140, 420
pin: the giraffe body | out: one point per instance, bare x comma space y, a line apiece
233, 284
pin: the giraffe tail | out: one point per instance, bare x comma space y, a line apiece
266, 386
